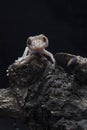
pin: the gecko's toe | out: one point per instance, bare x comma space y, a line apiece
7, 70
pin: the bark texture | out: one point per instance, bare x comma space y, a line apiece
48, 97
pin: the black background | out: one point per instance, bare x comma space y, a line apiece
64, 22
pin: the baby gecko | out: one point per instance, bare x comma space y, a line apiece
35, 44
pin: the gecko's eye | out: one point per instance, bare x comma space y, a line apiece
44, 39
29, 41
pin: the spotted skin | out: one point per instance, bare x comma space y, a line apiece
35, 44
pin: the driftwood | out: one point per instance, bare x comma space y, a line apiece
48, 97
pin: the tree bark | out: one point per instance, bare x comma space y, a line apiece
48, 96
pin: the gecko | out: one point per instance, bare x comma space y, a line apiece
35, 44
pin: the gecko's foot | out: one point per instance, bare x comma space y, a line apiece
53, 66
53, 62
18, 64
19, 59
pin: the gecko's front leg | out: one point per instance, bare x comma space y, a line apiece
25, 53
49, 54
25, 60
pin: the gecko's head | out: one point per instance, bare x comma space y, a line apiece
37, 43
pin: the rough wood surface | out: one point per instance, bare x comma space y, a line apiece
8, 104
48, 97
